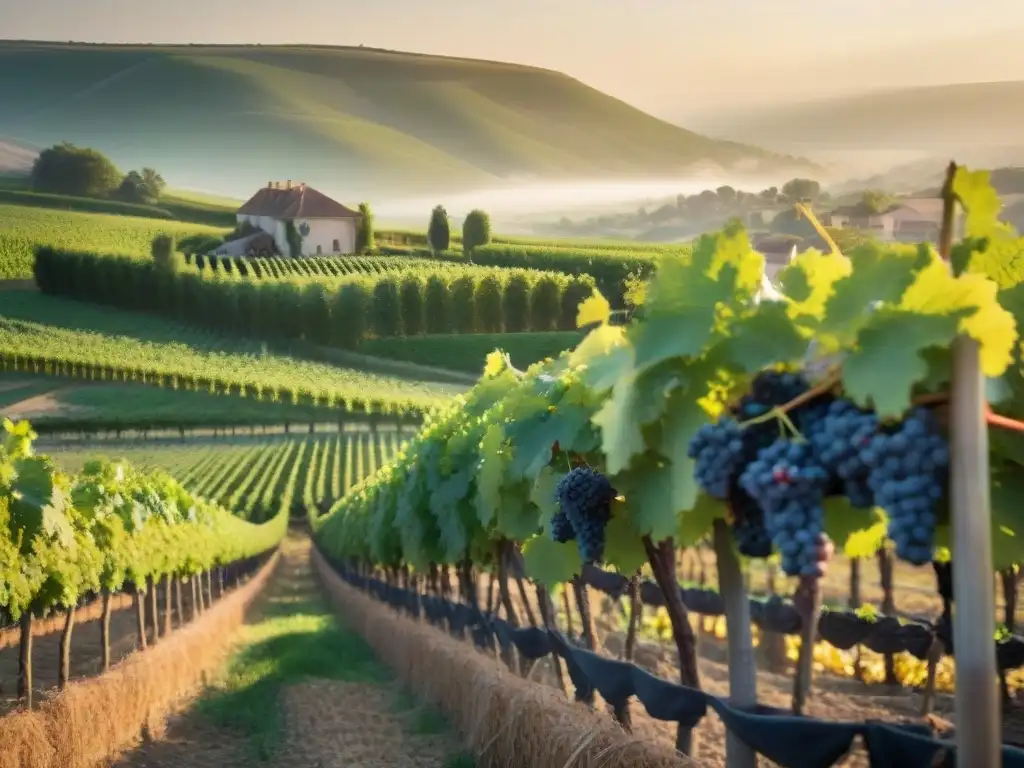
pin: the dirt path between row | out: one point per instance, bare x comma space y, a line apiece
46, 404
304, 692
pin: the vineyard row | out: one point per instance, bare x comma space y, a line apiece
64, 538
410, 303
793, 742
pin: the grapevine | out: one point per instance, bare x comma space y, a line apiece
62, 536
794, 417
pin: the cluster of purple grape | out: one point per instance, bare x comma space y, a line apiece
789, 484
776, 486
722, 450
584, 499
908, 471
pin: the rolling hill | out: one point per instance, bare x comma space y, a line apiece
970, 116
344, 119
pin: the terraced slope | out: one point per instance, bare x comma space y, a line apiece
345, 119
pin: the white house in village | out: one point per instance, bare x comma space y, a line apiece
326, 226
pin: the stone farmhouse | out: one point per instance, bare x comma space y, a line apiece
908, 220
325, 225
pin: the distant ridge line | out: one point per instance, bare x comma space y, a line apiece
279, 46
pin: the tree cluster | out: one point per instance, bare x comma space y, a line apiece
708, 207
66, 169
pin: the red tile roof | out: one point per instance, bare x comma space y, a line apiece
294, 201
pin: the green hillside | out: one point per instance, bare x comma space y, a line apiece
927, 117
347, 119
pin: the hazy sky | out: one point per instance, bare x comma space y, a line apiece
671, 57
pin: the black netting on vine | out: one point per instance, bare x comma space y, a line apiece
841, 629
786, 739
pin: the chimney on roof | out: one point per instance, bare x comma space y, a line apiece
289, 183
270, 185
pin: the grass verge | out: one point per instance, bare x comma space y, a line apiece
296, 638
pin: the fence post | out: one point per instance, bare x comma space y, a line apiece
978, 715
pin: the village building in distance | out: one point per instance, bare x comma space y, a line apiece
325, 226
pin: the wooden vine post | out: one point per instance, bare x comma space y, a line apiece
105, 629
662, 557
25, 659
741, 662
140, 613
622, 714
807, 601
979, 719
154, 608
64, 673
168, 606
179, 604
885, 568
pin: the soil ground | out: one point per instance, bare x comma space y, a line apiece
302, 691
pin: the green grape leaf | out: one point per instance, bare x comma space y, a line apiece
695, 524
940, 369
969, 254
887, 361
87, 498
980, 201
532, 439
1001, 260
727, 254
18, 439
37, 504
451, 491
517, 517
648, 488
879, 275
619, 425
973, 299
809, 280
666, 337
495, 363
491, 476
604, 353
453, 535
684, 297
652, 390
595, 309
855, 532
542, 494
548, 562
623, 548
685, 417
1012, 300
764, 337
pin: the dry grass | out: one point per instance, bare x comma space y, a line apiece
507, 721
335, 724
94, 719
